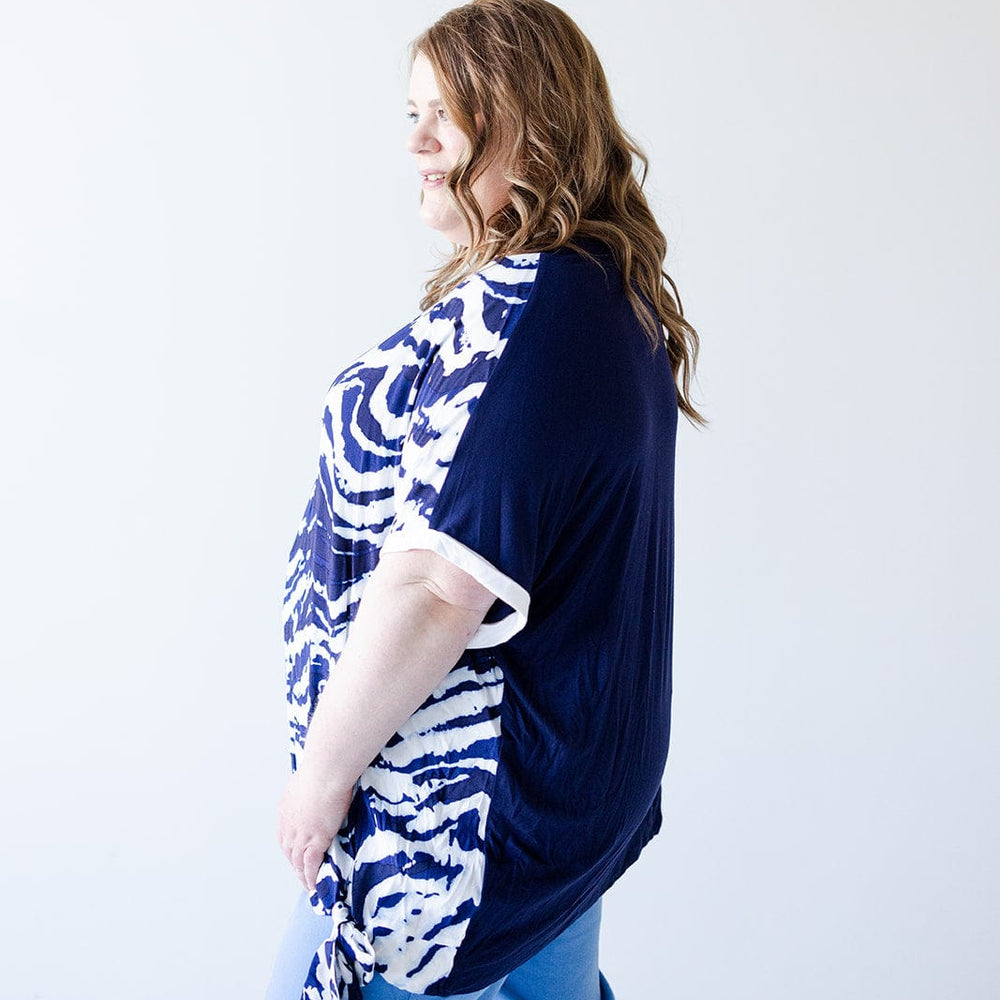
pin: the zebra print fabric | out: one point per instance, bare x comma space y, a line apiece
405, 873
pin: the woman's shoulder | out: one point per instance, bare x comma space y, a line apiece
484, 302
512, 273
491, 296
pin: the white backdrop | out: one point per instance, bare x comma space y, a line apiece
206, 211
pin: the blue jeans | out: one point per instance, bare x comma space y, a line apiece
565, 969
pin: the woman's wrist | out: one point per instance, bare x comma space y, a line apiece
324, 774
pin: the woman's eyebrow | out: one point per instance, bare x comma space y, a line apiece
435, 103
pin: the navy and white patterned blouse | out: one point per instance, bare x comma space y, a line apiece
524, 429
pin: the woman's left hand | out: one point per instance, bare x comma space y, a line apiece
311, 812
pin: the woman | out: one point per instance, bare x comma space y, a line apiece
479, 597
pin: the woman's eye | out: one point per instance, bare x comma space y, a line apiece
413, 117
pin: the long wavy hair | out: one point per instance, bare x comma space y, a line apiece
531, 74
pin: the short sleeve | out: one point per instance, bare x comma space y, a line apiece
478, 466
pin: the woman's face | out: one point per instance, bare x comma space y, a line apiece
437, 143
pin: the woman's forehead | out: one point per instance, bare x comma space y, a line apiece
424, 87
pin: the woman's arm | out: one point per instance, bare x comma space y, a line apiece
414, 621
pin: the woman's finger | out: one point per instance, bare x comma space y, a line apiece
311, 861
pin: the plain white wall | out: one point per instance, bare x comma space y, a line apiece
206, 212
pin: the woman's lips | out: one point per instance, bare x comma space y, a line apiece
433, 180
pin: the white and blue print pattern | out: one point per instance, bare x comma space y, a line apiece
405, 873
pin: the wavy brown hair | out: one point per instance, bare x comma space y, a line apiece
534, 80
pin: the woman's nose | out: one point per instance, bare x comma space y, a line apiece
422, 140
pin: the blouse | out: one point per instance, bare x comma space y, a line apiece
523, 428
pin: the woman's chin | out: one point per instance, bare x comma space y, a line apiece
442, 218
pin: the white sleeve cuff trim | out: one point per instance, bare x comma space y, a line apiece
417, 536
